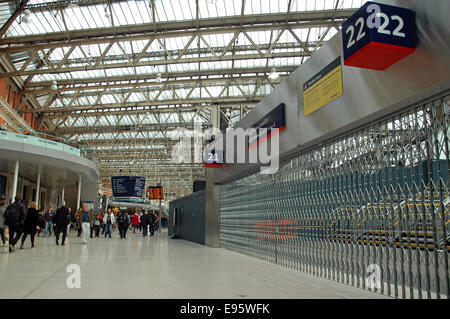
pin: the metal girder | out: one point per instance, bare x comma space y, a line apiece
65, 111
175, 29
58, 70
78, 130
146, 110
13, 18
127, 142
189, 52
175, 78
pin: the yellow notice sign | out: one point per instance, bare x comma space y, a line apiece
323, 88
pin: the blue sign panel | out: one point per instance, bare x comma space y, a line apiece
213, 157
274, 119
128, 186
378, 35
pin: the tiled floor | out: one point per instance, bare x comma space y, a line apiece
156, 267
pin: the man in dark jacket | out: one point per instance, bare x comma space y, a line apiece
122, 221
152, 220
62, 220
144, 223
15, 224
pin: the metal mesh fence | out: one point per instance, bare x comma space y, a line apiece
369, 208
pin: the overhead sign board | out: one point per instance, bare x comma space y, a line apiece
155, 192
128, 186
275, 119
323, 87
378, 35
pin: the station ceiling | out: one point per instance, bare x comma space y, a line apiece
119, 77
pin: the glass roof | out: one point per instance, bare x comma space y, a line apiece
108, 81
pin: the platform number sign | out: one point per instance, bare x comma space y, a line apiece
213, 156
378, 35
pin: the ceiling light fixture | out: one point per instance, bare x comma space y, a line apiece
26, 18
274, 75
73, 6
158, 77
54, 86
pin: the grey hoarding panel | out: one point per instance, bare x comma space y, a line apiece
368, 94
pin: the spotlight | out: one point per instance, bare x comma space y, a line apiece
73, 6
273, 74
158, 77
54, 86
26, 18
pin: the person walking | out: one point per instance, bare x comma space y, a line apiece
122, 221
87, 219
97, 224
155, 223
49, 214
69, 219
135, 222
15, 215
108, 220
2, 218
144, 223
31, 224
78, 221
62, 219
151, 221
41, 222
102, 225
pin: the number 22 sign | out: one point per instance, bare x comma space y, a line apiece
378, 35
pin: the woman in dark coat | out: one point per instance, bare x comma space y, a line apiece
31, 224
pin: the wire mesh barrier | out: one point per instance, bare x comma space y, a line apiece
369, 208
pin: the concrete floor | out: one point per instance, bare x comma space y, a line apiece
156, 267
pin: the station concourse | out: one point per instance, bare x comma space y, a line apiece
224, 149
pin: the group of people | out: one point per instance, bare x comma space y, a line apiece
23, 221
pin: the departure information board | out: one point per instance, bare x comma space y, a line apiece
155, 192
128, 186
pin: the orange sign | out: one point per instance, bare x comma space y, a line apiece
155, 192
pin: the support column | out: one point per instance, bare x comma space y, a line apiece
212, 195
38, 187
62, 195
79, 192
15, 181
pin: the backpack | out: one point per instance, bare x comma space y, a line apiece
12, 215
122, 218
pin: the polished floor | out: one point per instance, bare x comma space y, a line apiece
156, 267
